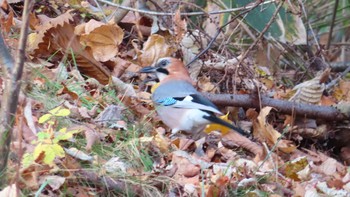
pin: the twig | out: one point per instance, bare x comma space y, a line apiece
335, 81
332, 24
310, 28
267, 26
103, 14
185, 14
122, 13
220, 30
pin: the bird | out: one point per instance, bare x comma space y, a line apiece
177, 102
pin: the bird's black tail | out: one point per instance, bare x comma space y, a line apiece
217, 120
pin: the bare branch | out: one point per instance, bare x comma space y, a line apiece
11, 92
183, 14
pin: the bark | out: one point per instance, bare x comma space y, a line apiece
282, 106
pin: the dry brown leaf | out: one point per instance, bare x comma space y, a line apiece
219, 187
120, 65
327, 101
265, 132
33, 21
142, 24
7, 23
48, 23
244, 143
123, 88
294, 167
154, 48
136, 106
185, 167
145, 97
103, 39
206, 85
30, 175
58, 36
180, 26
54, 181
342, 91
65, 90
78, 112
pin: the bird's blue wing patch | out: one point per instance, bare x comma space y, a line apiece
166, 101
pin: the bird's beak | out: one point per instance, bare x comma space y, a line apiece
148, 69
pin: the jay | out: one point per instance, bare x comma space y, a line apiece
179, 105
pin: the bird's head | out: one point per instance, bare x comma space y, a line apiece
167, 68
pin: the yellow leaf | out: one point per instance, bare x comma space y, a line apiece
44, 118
58, 111
292, 168
63, 130
38, 149
27, 160
216, 127
55, 110
63, 112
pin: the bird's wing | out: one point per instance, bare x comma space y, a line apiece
194, 101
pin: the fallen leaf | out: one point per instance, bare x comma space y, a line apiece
265, 132
65, 90
55, 182
7, 23
294, 167
154, 48
57, 37
180, 26
115, 165
206, 85
103, 39
75, 153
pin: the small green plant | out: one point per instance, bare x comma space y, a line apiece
48, 140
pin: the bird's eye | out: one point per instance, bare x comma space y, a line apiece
163, 63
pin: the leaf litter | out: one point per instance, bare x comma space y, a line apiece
104, 59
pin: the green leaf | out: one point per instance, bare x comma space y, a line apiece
43, 136
44, 118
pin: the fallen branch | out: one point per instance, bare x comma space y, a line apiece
287, 107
